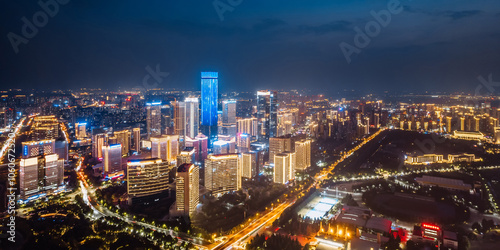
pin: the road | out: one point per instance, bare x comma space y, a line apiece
240, 237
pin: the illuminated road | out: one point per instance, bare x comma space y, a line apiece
242, 235
100, 211
236, 239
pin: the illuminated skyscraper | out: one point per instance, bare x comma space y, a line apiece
179, 118
284, 167
136, 139
153, 119
112, 158
186, 156
209, 97
165, 147
192, 117
303, 154
123, 138
223, 173
249, 164
248, 126
187, 188
228, 118
147, 177
267, 114
279, 145
81, 130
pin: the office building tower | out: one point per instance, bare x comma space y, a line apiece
136, 140
44, 128
303, 154
228, 125
112, 158
209, 97
81, 130
186, 156
267, 114
165, 147
248, 126
243, 142
61, 149
153, 118
98, 141
200, 144
249, 164
187, 188
147, 178
223, 173
39, 168
179, 118
192, 117
278, 145
123, 138
284, 167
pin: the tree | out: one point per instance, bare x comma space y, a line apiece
476, 226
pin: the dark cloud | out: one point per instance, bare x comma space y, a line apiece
455, 15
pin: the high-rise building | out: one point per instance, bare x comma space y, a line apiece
192, 117
136, 139
248, 126
165, 147
284, 167
179, 118
200, 144
112, 158
81, 130
228, 118
44, 128
39, 168
153, 118
209, 97
223, 173
243, 142
147, 177
61, 149
123, 138
187, 188
278, 145
303, 154
98, 141
267, 114
249, 164
187, 155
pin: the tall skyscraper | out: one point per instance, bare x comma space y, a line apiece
228, 118
249, 164
165, 147
98, 141
136, 139
223, 173
112, 158
303, 154
248, 126
179, 118
267, 114
81, 130
192, 117
123, 138
209, 97
200, 144
39, 168
243, 142
153, 118
279, 145
284, 167
187, 188
147, 177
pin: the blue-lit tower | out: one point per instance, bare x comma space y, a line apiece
209, 95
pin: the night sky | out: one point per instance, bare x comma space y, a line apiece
429, 46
